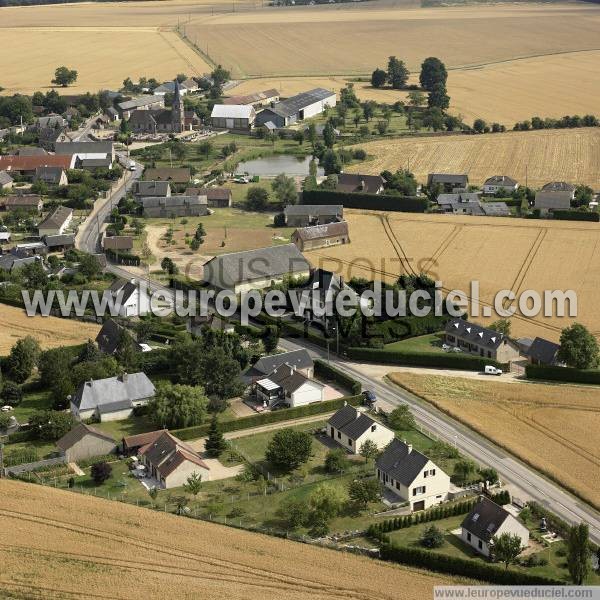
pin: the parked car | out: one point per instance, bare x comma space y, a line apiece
369, 397
489, 370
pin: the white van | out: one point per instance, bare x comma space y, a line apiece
489, 370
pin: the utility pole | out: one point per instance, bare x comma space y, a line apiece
2, 438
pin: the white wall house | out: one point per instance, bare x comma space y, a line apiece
412, 476
351, 428
488, 520
288, 386
57, 222
134, 299
500, 183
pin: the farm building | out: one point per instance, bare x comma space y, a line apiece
304, 215
296, 108
117, 242
52, 175
449, 182
83, 151
26, 165
168, 87
15, 259
495, 209
543, 352
59, 243
487, 520
235, 117
142, 189
31, 203
257, 99
84, 442
146, 102
351, 428
113, 398
412, 476
172, 174
500, 183
354, 182
286, 385
481, 341
179, 206
550, 200
318, 236
255, 269
217, 197
56, 222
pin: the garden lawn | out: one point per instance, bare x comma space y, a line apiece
131, 426
32, 402
423, 343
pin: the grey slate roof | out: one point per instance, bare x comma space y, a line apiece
128, 287
109, 337
57, 218
550, 199
296, 103
288, 378
460, 180
173, 201
495, 209
501, 180
146, 100
298, 358
314, 209
212, 193
94, 163
78, 433
49, 174
558, 186
66, 239
485, 519
175, 174
355, 182
351, 422
482, 336
67, 148
113, 393
262, 263
152, 188
543, 351
400, 462
5, 178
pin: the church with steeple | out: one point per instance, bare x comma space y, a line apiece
164, 120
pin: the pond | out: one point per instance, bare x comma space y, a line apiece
280, 163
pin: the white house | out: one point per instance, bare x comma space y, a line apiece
412, 476
57, 222
487, 520
171, 461
112, 399
286, 385
133, 299
500, 183
351, 428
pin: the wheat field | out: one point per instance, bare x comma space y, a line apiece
498, 253
50, 332
554, 428
534, 156
58, 544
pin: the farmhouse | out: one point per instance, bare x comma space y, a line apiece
59, 243
110, 335
318, 236
463, 203
56, 222
304, 215
286, 385
500, 183
16, 259
134, 300
236, 117
162, 120
351, 428
31, 203
412, 476
481, 341
257, 99
6, 181
152, 188
296, 108
26, 165
487, 520
52, 175
448, 181
543, 352
178, 206
171, 461
113, 398
142, 103
117, 242
255, 269
299, 359
84, 442
172, 174
354, 182
217, 197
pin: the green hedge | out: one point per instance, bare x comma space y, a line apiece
576, 215
265, 418
324, 369
367, 201
123, 258
250, 330
446, 360
463, 567
550, 373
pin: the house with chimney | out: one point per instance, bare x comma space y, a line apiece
412, 476
350, 427
133, 299
287, 386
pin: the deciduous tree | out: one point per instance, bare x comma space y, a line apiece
578, 347
288, 449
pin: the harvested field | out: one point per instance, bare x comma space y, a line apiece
56, 544
460, 249
548, 155
554, 428
359, 38
50, 332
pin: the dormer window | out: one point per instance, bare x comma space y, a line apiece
373, 427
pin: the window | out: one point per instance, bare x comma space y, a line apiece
432, 472
339, 434
397, 485
373, 427
349, 442
425, 473
468, 537
480, 544
419, 490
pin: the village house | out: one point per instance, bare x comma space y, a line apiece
305, 215
134, 299
299, 107
255, 269
174, 206
500, 183
449, 182
31, 203
16, 259
27, 165
113, 398
217, 197
299, 359
48, 137
287, 386
462, 203
188, 86
171, 461
144, 189
365, 184
543, 352
59, 243
56, 222
319, 236
351, 428
110, 335
87, 151
481, 341
235, 117
488, 520
171, 174
6, 181
84, 442
119, 243
560, 186
51, 175
257, 100
412, 476
556, 195
145, 102
52, 120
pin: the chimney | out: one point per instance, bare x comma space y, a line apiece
362, 185
123, 377
345, 403
409, 448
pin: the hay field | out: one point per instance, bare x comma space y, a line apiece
548, 155
56, 544
126, 52
360, 38
50, 332
554, 428
499, 253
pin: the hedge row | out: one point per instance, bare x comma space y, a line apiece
123, 257
266, 418
551, 373
447, 360
576, 215
324, 369
453, 565
250, 330
367, 201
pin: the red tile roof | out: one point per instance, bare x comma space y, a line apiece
31, 163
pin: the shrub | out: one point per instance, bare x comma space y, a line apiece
432, 537
100, 472
11, 393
